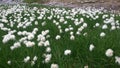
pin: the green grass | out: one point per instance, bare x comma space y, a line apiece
80, 55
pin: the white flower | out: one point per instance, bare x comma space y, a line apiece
71, 28
62, 19
97, 24
35, 58
65, 22
17, 44
40, 43
72, 37
85, 34
43, 23
67, 52
86, 66
109, 53
46, 43
104, 26
78, 33
66, 29
36, 22
47, 36
58, 37
54, 66
48, 58
71, 33
60, 30
113, 28
1, 25
12, 47
59, 27
32, 63
40, 38
29, 44
8, 37
26, 59
34, 31
48, 49
102, 34
30, 36
9, 62
117, 59
81, 19
19, 33
85, 25
91, 47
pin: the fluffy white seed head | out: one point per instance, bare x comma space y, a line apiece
46, 43
72, 37
48, 58
57, 37
102, 34
84, 25
113, 27
91, 47
97, 24
67, 52
32, 63
109, 53
26, 59
9, 62
54, 66
117, 59
48, 49
104, 26
35, 58
29, 44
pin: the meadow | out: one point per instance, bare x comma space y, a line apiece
57, 37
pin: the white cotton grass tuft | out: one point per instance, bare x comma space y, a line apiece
102, 34
109, 53
67, 52
41, 43
57, 37
97, 24
86, 66
8, 37
46, 43
26, 59
30, 36
72, 37
29, 44
78, 33
67, 29
113, 27
84, 25
47, 58
117, 59
71, 33
48, 49
54, 66
43, 23
1, 25
32, 63
91, 47
36, 22
104, 26
16, 45
9, 62
35, 58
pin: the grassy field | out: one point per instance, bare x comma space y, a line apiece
58, 38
